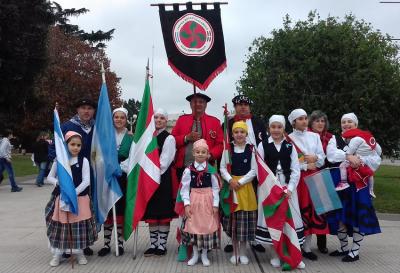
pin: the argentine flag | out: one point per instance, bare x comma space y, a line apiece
104, 160
68, 198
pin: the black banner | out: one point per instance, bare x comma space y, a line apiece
194, 42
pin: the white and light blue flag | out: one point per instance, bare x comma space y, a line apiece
68, 198
104, 160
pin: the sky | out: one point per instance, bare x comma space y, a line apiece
138, 37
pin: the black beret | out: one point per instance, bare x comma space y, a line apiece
241, 99
198, 95
85, 101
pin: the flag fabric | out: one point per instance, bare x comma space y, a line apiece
278, 216
68, 197
144, 165
104, 160
228, 198
194, 42
322, 191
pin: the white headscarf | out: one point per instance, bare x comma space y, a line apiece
350, 116
296, 114
121, 109
277, 118
162, 112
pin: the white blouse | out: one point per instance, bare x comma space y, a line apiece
185, 189
53, 178
294, 164
248, 177
168, 152
310, 144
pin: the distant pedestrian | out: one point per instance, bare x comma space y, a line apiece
40, 151
5, 160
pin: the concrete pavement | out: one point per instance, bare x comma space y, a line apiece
24, 247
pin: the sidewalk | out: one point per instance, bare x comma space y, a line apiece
24, 248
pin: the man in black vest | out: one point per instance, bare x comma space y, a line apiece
256, 133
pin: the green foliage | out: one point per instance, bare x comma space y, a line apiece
387, 189
337, 66
133, 107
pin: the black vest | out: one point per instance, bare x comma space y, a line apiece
272, 156
161, 139
340, 144
76, 170
241, 162
260, 132
205, 178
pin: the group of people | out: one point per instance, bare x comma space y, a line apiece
190, 159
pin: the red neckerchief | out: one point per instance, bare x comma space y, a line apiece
293, 143
325, 136
367, 136
199, 173
244, 118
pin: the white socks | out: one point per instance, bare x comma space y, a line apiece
195, 257
307, 243
357, 239
343, 238
163, 232
204, 258
153, 236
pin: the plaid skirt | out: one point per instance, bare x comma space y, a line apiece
207, 241
245, 226
77, 235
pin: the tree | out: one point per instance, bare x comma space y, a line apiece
133, 107
336, 66
23, 33
73, 72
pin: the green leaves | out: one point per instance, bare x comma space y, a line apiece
335, 65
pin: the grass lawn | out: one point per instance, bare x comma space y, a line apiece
22, 165
387, 189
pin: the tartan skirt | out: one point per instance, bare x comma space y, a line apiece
206, 241
245, 225
79, 235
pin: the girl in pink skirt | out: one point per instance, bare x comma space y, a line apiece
200, 194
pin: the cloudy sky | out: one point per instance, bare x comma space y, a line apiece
138, 37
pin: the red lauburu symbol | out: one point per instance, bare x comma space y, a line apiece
193, 35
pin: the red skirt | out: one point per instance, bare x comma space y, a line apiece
313, 223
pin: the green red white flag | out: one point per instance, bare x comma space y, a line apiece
228, 198
144, 165
278, 216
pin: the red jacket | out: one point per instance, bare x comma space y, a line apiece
211, 132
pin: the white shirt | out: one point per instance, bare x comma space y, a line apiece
168, 152
185, 189
294, 165
5, 148
248, 177
310, 144
357, 146
53, 178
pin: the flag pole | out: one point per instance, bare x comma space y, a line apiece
103, 78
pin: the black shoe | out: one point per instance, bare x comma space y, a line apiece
88, 251
349, 259
258, 248
66, 255
150, 252
228, 248
323, 250
1, 178
104, 251
338, 253
309, 255
121, 250
39, 184
16, 189
160, 252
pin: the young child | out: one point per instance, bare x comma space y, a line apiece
66, 230
363, 145
200, 194
282, 159
243, 172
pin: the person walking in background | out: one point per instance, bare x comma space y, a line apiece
40, 152
5, 160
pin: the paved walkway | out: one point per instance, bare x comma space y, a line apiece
23, 246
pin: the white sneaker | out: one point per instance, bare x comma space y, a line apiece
341, 186
55, 261
301, 265
81, 259
275, 262
234, 259
193, 260
205, 260
244, 260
